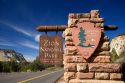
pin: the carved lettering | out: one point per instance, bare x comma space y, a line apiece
51, 49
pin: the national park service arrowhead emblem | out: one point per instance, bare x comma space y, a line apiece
86, 38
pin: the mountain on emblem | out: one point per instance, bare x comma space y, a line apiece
83, 39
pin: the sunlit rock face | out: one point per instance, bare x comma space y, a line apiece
9, 55
117, 50
118, 44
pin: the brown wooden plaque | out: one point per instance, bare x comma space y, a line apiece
51, 49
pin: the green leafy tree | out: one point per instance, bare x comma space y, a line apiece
6, 67
114, 55
116, 58
15, 66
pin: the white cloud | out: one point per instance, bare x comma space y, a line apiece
6, 44
21, 30
37, 37
18, 29
29, 45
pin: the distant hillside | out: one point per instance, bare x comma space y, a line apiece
8, 55
118, 48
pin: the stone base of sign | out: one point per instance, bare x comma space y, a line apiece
71, 67
102, 76
116, 76
74, 59
102, 59
93, 81
81, 75
97, 68
104, 67
68, 76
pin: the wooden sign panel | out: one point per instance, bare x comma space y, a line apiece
51, 49
86, 38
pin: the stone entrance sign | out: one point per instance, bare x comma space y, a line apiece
86, 54
86, 38
51, 49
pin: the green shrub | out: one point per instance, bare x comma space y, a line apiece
13, 66
116, 58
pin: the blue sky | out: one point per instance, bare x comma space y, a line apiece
20, 18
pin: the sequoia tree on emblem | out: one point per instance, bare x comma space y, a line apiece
82, 39
86, 38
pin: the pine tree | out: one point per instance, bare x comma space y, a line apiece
82, 37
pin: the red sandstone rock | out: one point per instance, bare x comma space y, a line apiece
102, 59
105, 67
71, 50
84, 15
84, 20
69, 67
77, 16
72, 16
72, 23
67, 43
103, 53
67, 32
64, 62
105, 38
102, 76
69, 75
93, 81
105, 46
102, 49
102, 29
99, 25
82, 67
75, 59
85, 75
94, 13
68, 59
97, 20
68, 38
115, 76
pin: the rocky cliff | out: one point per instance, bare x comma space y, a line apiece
8, 55
118, 48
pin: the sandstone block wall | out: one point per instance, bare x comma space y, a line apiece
98, 66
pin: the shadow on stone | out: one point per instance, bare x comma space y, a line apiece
123, 71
